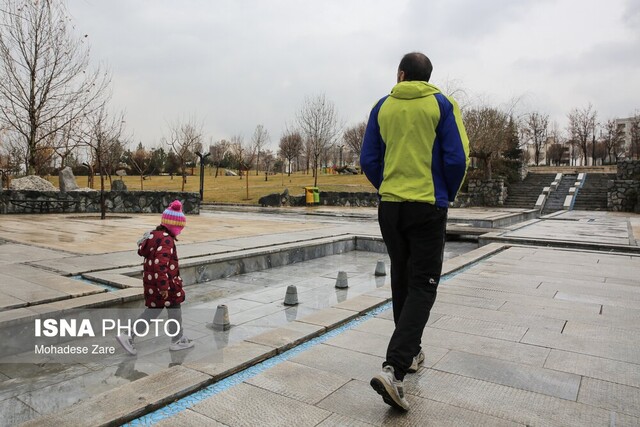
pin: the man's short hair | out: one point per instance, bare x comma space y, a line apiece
416, 66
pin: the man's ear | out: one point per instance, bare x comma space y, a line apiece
400, 76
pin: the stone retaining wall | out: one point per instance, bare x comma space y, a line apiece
491, 192
24, 201
623, 195
629, 170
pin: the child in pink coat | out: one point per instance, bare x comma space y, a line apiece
161, 278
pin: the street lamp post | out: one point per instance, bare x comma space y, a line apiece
202, 157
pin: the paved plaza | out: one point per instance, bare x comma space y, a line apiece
539, 326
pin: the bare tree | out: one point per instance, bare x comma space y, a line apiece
634, 131
554, 153
68, 140
267, 160
219, 151
101, 135
612, 139
45, 80
238, 151
244, 155
141, 162
535, 126
487, 129
353, 138
582, 126
290, 147
318, 122
259, 140
185, 138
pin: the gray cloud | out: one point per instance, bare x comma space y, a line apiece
235, 64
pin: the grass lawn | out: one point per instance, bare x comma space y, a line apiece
233, 189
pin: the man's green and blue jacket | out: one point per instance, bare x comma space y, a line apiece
415, 146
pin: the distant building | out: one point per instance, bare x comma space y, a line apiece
625, 125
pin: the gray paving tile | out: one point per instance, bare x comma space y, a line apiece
188, 418
377, 326
9, 302
600, 332
259, 407
602, 348
520, 406
299, 382
233, 359
596, 299
616, 316
525, 377
594, 367
129, 399
607, 289
284, 337
39, 379
15, 412
526, 320
337, 420
360, 303
339, 361
492, 304
503, 331
328, 317
558, 313
256, 313
376, 345
485, 346
610, 396
372, 344
488, 288
359, 401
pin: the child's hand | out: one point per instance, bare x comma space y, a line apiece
164, 294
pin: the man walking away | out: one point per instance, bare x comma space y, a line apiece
415, 152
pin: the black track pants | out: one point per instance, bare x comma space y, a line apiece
414, 234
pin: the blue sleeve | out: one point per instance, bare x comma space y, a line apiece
373, 149
453, 145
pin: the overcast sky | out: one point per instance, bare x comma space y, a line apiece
234, 64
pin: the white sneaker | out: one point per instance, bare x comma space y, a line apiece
127, 343
391, 389
182, 344
418, 360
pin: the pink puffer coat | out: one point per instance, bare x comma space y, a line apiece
161, 271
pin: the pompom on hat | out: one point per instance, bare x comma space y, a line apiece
173, 219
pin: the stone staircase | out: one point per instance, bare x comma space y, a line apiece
524, 194
593, 194
555, 201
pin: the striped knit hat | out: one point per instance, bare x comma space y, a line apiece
173, 218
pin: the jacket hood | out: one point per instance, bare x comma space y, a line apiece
413, 90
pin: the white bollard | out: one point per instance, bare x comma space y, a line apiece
291, 297
342, 282
221, 318
380, 269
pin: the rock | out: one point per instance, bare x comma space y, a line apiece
230, 173
67, 180
118, 185
33, 183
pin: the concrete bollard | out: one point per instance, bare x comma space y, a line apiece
221, 318
380, 269
342, 282
291, 297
